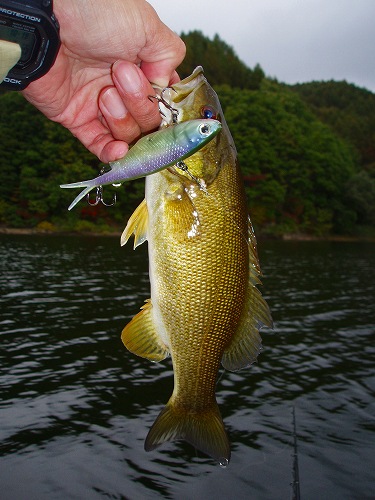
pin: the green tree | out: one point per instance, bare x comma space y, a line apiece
307, 153
361, 195
348, 110
36, 156
298, 165
220, 62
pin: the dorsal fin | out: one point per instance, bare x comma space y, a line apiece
246, 343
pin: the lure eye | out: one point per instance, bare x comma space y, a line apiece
204, 129
208, 112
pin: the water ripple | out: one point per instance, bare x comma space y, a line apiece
76, 406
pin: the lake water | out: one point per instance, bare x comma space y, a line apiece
75, 406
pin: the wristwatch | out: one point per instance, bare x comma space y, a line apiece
32, 25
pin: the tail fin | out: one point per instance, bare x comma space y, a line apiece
205, 431
88, 185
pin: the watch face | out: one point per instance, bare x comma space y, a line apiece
25, 36
37, 33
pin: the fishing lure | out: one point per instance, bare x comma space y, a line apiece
152, 153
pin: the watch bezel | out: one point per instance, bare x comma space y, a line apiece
46, 26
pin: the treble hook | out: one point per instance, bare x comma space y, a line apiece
99, 198
202, 185
161, 100
99, 194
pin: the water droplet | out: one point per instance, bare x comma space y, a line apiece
194, 231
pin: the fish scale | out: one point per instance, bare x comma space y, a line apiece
204, 307
209, 301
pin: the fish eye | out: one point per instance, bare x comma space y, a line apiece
208, 112
204, 129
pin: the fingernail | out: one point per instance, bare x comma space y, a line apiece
113, 103
128, 78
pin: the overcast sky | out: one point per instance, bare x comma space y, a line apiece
293, 40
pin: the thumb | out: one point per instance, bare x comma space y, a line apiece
161, 73
162, 54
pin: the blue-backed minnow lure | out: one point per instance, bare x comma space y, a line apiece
152, 153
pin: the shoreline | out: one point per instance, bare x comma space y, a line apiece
45, 232
114, 234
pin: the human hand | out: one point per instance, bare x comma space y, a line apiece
96, 88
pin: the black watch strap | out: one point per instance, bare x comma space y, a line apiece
46, 5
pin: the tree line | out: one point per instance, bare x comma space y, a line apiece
307, 154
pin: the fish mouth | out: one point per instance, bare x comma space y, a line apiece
188, 85
177, 101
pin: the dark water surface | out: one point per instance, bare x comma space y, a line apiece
75, 406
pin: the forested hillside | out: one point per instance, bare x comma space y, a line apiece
307, 154
350, 113
348, 110
296, 169
220, 62
36, 156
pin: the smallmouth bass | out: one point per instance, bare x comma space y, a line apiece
205, 308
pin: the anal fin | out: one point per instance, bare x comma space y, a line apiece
141, 338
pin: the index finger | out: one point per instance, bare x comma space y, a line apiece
134, 89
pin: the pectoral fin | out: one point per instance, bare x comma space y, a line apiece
141, 338
137, 225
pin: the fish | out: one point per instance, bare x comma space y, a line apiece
205, 308
152, 153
